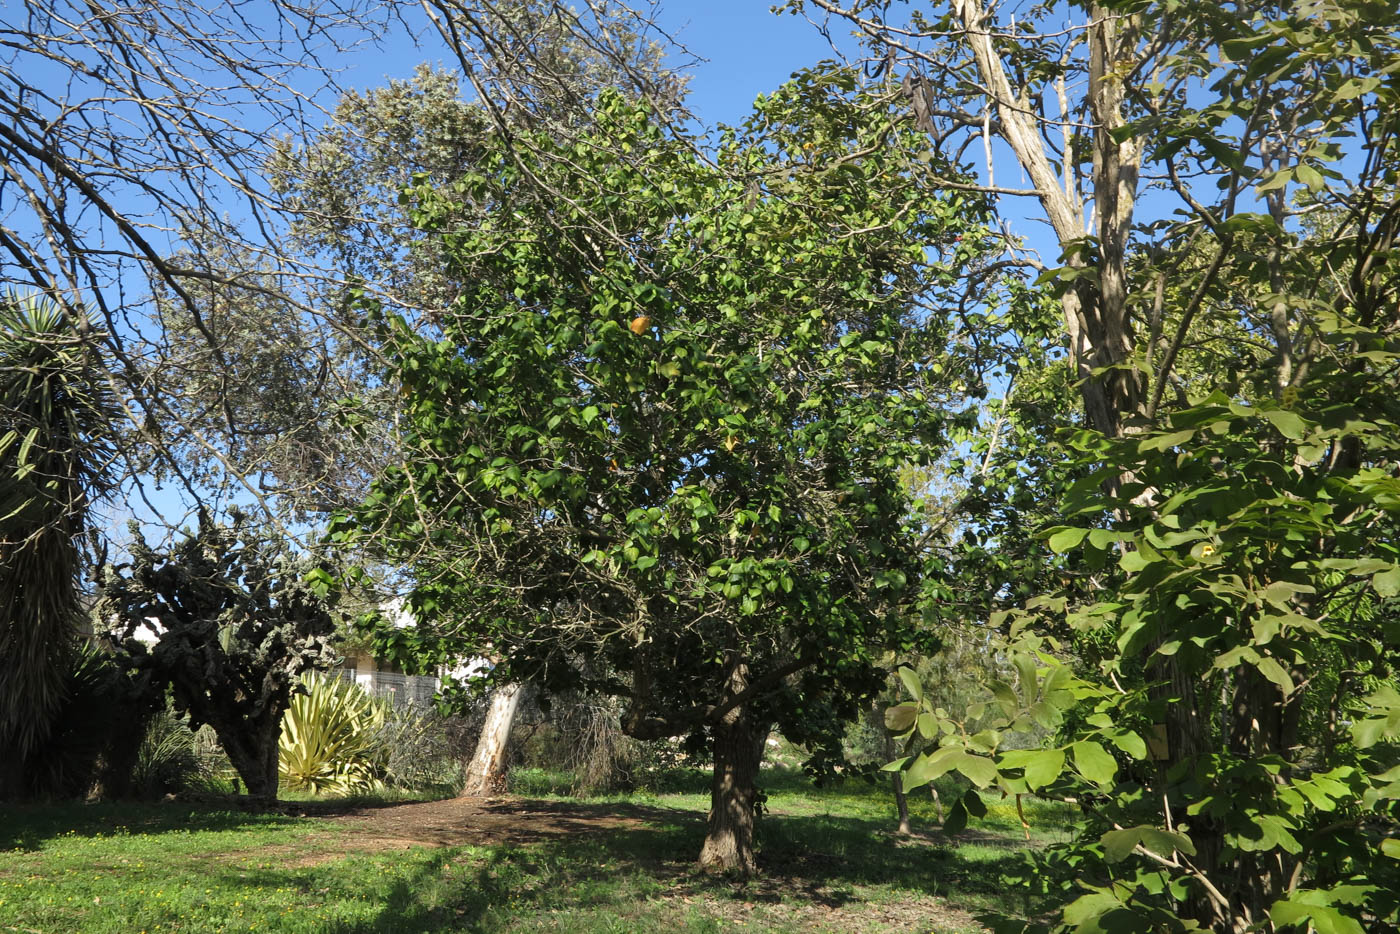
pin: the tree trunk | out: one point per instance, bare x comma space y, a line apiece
738, 746
901, 800
901, 803
486, 772
253, 754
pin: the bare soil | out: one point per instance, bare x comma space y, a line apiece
492, 821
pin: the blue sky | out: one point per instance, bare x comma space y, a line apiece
748, 51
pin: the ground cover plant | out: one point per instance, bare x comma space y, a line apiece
828, 863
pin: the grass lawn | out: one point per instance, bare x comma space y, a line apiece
830, 863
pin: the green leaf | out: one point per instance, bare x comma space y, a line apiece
1270, 668
929, 766
1117, 844
1309, 176
1391, 847
912, 684
1387, 583
1136, 560
956, 821
1170, 440
1065, 539
1093, 762
1165, 842
1044, 767
901, 717
1131, 743
979, 770
1289, 424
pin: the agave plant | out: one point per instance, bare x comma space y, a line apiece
57, 417
332, 738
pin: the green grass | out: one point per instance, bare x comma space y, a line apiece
830, 863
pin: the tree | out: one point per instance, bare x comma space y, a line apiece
135, 147
56, 425
655, 449
486, 769
1268, 133
238, 619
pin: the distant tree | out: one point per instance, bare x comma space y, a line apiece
57, 417
238, 618
654, 449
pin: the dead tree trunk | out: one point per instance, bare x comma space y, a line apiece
486, 771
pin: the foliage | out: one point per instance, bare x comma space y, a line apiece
677, 478
1260, 559
168, 760
425, 750
56, 424
1253, 292
96, 733
332, 737
144, 193
238, 618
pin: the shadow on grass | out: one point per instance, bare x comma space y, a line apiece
829, 856
822, 861
27, 826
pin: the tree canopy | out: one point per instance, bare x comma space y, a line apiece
655, 448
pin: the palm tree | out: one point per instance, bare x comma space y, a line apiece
57, 413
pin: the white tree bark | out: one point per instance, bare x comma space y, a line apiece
486, 772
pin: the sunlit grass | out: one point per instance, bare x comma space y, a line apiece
830, 859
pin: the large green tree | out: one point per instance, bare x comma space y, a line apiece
655, 447
57, 419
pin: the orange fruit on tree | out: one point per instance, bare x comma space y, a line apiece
639, 324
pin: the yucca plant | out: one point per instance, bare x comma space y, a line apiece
57, 416
332, 738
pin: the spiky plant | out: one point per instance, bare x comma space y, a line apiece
332, 737
57, 413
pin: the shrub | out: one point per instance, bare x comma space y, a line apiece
332, 738
424, 750
167, 760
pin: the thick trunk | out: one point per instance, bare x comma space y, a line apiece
253, 754
486, 772
738, 746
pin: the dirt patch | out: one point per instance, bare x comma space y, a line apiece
490, 821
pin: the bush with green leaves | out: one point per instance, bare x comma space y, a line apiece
1256, 567
332, 737
168, 759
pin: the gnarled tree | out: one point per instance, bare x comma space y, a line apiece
237, 618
